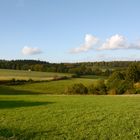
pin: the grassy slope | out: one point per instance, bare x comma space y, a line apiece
53, 87
70, 117
21, 74
30, 116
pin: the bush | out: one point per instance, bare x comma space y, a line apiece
92, 89
98, 89
114, 80
119, 87
118, 84
17, 82
76, 89
131, 91
123, 86
133, 73
112, 92
30, 80
75, 76
55, 78
137, 85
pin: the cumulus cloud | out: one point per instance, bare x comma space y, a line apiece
30, 51
118, 42
115, 42
89, 42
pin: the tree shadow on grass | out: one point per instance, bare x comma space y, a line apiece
4, 104
16, 134
6, 134
6, 90
27, 134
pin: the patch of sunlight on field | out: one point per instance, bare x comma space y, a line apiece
26, 75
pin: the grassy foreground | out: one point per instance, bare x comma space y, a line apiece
69, 117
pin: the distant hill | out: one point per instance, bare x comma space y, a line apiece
95, 68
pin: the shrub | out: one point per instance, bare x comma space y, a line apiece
101, 87
98, 89
137, 91
75, 76
30, 80
112, 92
131, 91
55, 78
114, 79
137, 85
92, 89
133, 73
76, 89
122, 87
118, 84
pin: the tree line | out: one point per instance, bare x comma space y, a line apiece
119, 82
82, 68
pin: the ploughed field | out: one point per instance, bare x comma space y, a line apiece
61, 117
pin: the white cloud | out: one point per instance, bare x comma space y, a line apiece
90, 41
118, 42
115, 42
30, 51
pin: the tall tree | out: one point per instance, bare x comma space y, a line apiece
133, 73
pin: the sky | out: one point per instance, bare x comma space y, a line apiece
70, 30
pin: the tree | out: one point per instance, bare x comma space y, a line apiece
76, 89
118, 84
133, 73
99, 88
107, 72
114, 79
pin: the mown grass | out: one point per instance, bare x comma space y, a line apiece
26, 75
69, 117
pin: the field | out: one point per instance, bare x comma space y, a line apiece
26, 75
69, 117
41, 111
52, 87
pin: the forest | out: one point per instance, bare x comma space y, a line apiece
82, 68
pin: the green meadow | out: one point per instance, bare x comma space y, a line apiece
45, 117
51, 87
6, 74
41, 111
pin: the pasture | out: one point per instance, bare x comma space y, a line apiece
52, 87
69, 117
6, 74
41, 111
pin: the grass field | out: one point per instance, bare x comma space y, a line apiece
25, 75
52, 87
28, 113
38, 117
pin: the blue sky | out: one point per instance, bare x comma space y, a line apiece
70, 30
